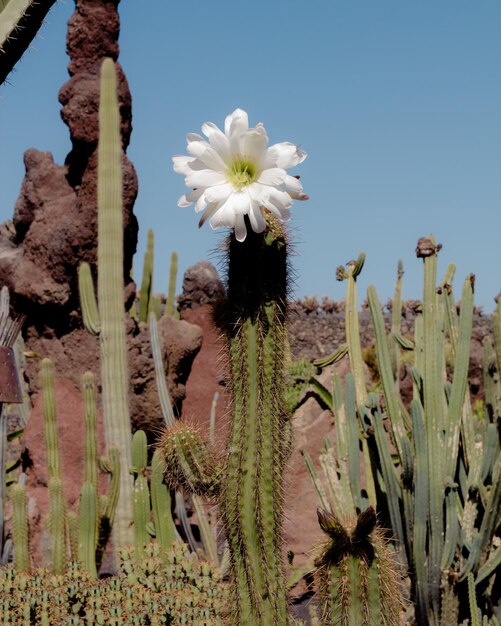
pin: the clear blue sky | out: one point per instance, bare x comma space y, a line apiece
398, 104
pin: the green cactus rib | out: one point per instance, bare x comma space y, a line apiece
386, 371
90, 417
160, 376
20, 528
165, 530
20, 21
88, 303
353, 329
252, 493
57, 525
434, 420
460, 380
146, 291
88, 528
421, 511
49, 414
396, 317
170, 305
111, 297
141, 505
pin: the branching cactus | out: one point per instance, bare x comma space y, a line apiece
357, 582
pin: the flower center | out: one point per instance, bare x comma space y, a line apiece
241, 172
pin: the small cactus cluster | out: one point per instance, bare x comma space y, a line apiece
192, 464
160, 587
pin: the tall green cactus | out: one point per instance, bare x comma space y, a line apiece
88, 528
146, 291
57, 526
56, 521
107, 316
141, 504
20, 21
165, 530
357, 582
110, 290
170, 305
251, 496
249, 486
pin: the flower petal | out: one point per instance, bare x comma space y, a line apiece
240, 202
190, 198
284, 155
256, 218
240, 228
219, 193
181, 164
218, 140
272, 176
206, 153
259, 192
253, 142
223, 216
193, 137
204, 178
279, 202
236, 122
293, 184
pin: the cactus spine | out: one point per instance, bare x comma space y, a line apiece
110, 297
357, 583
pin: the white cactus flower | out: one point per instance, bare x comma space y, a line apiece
235, 174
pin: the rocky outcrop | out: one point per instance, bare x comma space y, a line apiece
54, 229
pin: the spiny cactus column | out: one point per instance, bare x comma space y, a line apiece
111, 297
251, 499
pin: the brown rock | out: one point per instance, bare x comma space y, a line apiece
180, 342
201, 285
